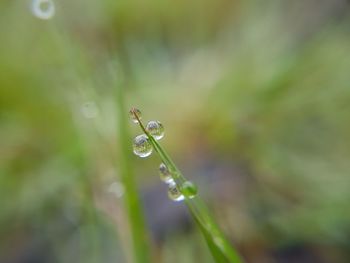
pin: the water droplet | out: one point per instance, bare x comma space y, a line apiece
189, 189
174, 193
142, 146
117, 189
156, 129
164, 174
89, 110
43, 9
134, 112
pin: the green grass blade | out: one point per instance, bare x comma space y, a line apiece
140, 241
219, 246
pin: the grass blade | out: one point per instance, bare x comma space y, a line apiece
219, 246
140, 242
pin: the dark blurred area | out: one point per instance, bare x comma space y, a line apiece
255, 100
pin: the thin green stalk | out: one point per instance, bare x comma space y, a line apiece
139, 235
219, 246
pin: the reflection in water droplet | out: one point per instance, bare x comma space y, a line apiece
189, 189
174, 193
117, 189
142, 146
164, 174
43, 9
134, 112
89, 110
156, 129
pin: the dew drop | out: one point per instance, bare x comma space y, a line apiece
142, 146
189, 189
89, 110
174, 193
134, 112
156, 129
164, 174
43, 9
117, 189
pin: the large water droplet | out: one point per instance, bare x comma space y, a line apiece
43, 9
189, 189
142, 146
134, 112
174, 193
164, 174
89, 110
156, 129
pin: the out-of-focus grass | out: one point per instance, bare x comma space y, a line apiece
140, 239
262, 86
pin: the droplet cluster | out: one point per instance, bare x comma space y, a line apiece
142, 147
176, 193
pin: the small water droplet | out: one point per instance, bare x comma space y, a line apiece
89, 110
174, 193
189, 189
142, 146
117, 189
43, 9
156, 129
164, 174
134, 112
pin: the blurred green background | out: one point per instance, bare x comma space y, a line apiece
255, 100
